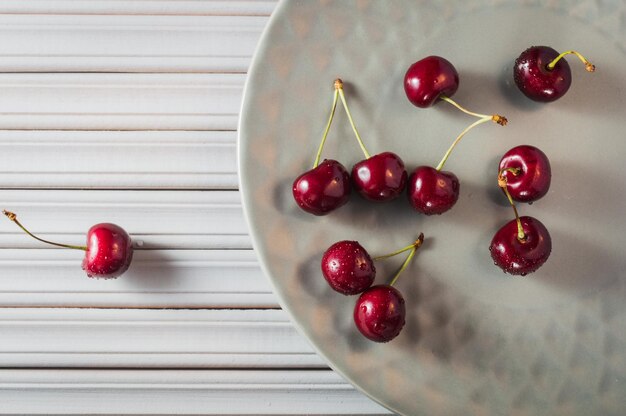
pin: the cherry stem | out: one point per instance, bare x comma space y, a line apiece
458, 139
521, 236
13, 218
413, 247
496, 118
588, 65
330, 121
514, 171
339, 87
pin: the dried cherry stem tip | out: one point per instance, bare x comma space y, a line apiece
588, 65
417, 244
498, 119
11, 216
521, 236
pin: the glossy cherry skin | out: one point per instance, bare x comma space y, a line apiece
431, 191
429, 78
521, 257
535, 80
322, 189
532, 181
379, 313
348, 268
109, 251
382, 177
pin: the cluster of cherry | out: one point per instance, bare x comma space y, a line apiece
520, 247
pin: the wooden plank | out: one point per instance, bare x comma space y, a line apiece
139, 7
167, 392
157, 220
118, 159
126, 43
157, 279
138, 338
120, 101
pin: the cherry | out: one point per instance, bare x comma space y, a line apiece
382, 177
527, 173
431, 191
379, 313
428, 79
323, 188
542, 75
108, 252
348, 268
520, 256
326, 187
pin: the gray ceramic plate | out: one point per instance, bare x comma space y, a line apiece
476, 341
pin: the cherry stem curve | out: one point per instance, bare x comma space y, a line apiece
458, 139
588, 65
330, 121
13, 218
521, 236
413, 247
496, 118
339, 87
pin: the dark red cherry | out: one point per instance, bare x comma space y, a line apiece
521, 256
348, 268
109, 251
536, 80
322, 189
429, 78
379, 313
431, 191
527, 173
381, 177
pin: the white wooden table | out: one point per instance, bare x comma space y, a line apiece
126, 111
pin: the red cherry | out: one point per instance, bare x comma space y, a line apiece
323, 188
109, 251
348, 268
382, 177
527, 172
428, 79
379, 313
431, 191
521, 256
541, 74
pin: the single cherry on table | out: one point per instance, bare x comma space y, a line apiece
108, 253
527, 172
542, 74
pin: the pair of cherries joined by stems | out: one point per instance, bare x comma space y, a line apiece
328, 185
524, 244
379, 312
108, 252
